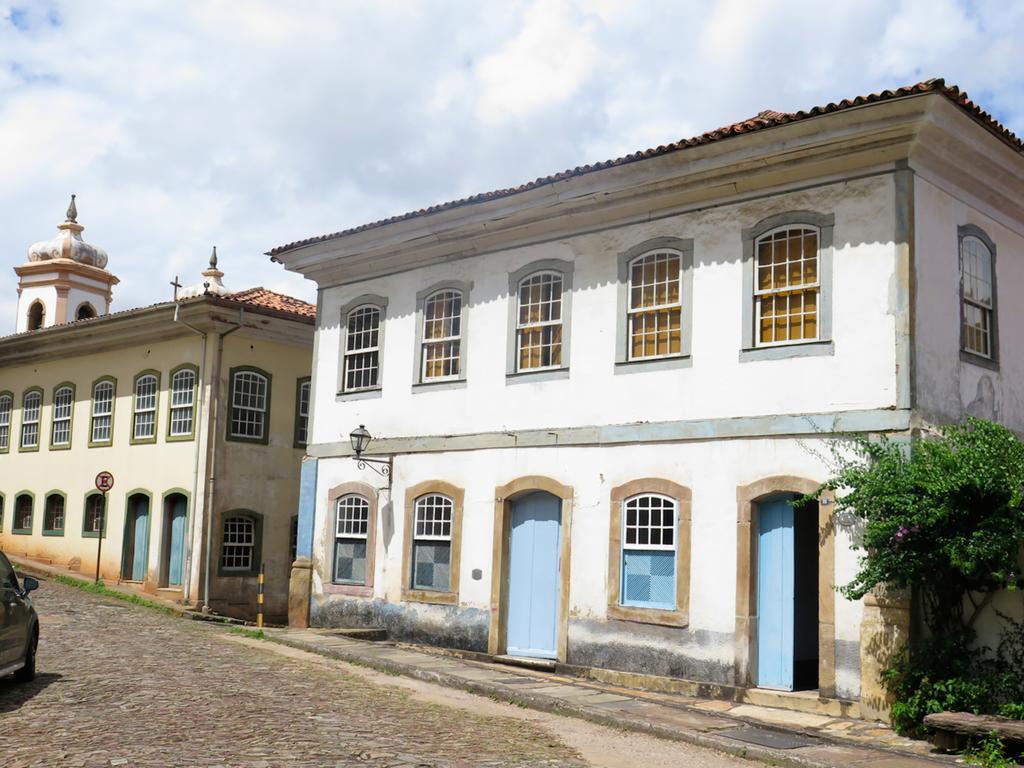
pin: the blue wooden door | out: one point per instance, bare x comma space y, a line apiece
533, 576
177, 543
140, 522
775, 566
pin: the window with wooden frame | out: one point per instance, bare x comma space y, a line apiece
250, 405
101, 428
362, 348
53, 514
655, 305
649, 553
63, 410
6, 408
441, 350
302, 391
351, 539
93, 517
240, 544
787, 287
181, 418
31, 410
539, 322
144, 403
23, 504
978, 337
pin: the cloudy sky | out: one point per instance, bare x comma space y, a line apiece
251, 124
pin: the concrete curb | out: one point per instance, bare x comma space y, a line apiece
618, 720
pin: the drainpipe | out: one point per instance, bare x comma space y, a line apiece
199, 420
211, 455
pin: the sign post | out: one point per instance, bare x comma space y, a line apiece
104, 482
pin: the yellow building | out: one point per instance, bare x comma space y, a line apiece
198, 407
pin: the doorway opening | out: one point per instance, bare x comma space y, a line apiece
172, 557
534, 575
787, 593
136, 538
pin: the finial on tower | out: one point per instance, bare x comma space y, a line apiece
213, 258
72, 213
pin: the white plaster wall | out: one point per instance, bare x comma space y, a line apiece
946, 386
97, 298
860, 375
712, 470
45, 293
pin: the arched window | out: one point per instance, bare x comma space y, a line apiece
36, 316
649, 551
31, 407
93, 519
250, 405
362, 348
63, 403
539, 322
432, 542
182, 402
144, 408
85, 311
6, 406
442, 336
53, 514
351, 538
23, 504
101, 430
240, 544
977, 293
787, 286
655, 305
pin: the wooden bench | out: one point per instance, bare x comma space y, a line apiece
951, 730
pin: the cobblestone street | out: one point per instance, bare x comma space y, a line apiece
124, 685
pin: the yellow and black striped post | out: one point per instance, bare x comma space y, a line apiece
259, 598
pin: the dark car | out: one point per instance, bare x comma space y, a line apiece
19, 625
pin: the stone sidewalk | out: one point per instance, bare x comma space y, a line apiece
778, 736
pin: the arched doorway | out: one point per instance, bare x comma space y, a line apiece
172, 556
136, 538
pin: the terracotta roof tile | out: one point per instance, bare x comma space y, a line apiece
261, 297
766, 119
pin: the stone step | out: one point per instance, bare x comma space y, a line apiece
370, 634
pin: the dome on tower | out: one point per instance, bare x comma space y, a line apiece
68, 244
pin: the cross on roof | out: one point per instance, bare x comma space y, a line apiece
176, 286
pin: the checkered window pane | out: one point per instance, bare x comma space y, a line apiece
978, 303
431, 565
442, 331
54, 516
350, 561
183, 385
248, 405
362, 348
302, 429
30, 409
23, 512
239, 543
649, 578
6, 406
787, 287
62, 402
655, 305
102, 411
93, 513
145, 407
434, 517
539, 321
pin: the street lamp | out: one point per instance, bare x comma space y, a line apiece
360, 439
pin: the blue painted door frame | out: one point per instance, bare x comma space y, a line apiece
775, 593
533, 578
136, 538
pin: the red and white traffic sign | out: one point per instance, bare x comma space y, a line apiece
104, 481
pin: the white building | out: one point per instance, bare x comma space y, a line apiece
601, 389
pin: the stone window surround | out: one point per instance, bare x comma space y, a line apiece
268, 377
823, 345
170, 401
34, 390
504, 495
369, 493
133, 440
512, 372
47, 529
14, 513
680, 616
257, 547
684, 247
381, 303
418, 381
53, 415
10, 419
86, 533
970, 230
458, 497
303, 381
747, 498
92, 411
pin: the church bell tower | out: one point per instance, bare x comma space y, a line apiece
65, 279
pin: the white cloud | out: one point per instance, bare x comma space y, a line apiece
187, 124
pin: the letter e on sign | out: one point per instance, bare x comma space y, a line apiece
104, 481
